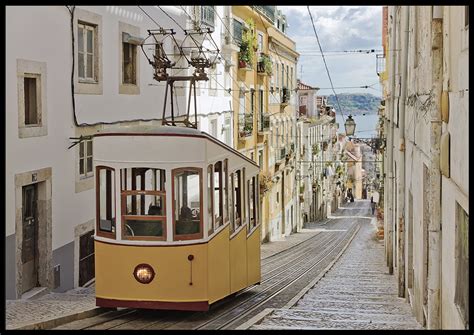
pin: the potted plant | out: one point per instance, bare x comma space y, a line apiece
244, 54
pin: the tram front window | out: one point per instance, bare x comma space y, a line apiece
187, 191
105, 201
143, 203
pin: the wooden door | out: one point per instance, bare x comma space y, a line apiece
29, 250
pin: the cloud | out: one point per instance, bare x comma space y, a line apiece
339, 28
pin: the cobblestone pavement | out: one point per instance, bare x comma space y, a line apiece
21, 313
357, 293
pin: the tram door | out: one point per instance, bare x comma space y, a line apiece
29, 250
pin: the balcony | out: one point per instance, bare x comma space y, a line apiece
263, 123
267, 11
245, 125
264, 65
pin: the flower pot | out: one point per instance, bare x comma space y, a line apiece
242, 64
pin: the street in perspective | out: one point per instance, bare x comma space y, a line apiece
244, 167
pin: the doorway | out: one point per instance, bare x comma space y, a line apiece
86, 258
29, 251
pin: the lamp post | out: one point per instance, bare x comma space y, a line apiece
350, 126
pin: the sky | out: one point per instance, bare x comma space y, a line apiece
339, 28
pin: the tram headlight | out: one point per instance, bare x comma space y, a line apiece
144, 273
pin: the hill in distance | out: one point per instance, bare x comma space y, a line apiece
356, 103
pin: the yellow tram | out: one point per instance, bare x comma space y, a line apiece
177, 219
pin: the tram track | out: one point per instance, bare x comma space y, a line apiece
279, 272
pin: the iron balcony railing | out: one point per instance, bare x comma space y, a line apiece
245, 124
267, 11
263, 122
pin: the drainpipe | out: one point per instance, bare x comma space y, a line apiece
434, 225
389, 216
404, 24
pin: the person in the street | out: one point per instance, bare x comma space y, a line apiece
372, 204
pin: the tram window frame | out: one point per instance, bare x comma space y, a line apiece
243, 197
225, 198
158, 189
237, 203
109, 190
251, 197
193, 236
217, 207
210, 199
231, 203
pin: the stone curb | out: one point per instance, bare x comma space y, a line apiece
52, 323
295, 299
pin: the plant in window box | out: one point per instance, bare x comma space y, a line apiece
265, 64
245, 56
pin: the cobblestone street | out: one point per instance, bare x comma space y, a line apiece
357, 293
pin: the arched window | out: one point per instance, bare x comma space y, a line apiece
105, 201
187, 203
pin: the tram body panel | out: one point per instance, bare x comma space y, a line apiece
253, 256
219, 266
238, 261
115, 265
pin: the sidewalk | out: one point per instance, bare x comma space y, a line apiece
54, 309
357, 293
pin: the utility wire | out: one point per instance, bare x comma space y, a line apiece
324, 60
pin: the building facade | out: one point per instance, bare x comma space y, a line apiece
426, 205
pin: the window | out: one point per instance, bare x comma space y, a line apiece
105, 201
226, 190
187, 203
228, 134
260, 42
260, 101
231, 202
31, 98
129, 75
243, 203
252, 197
210, 204
461, 297
237, 202
213, 128
207, 15
143, 199
277, 85
260, 158
85, 159
86, 51
217, 184
252, 100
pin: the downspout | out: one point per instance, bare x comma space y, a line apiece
401, 187
434, 225
389, 217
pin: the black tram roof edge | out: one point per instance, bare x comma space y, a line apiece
169, 131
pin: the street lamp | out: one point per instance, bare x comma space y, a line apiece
350, 126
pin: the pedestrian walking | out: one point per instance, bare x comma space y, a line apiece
372, 204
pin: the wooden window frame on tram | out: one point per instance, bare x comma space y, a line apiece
196, 236
100, 232
125, 217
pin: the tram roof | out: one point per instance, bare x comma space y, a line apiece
167, 131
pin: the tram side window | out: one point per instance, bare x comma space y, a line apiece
143, 203
218, 208
237, 198
210, 193
187, 192
225, 199
231, 202
105, 201
252, 196
243, 192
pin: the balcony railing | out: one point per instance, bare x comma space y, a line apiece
264, 65
207, 16
245, 124
264, 122
267, 11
